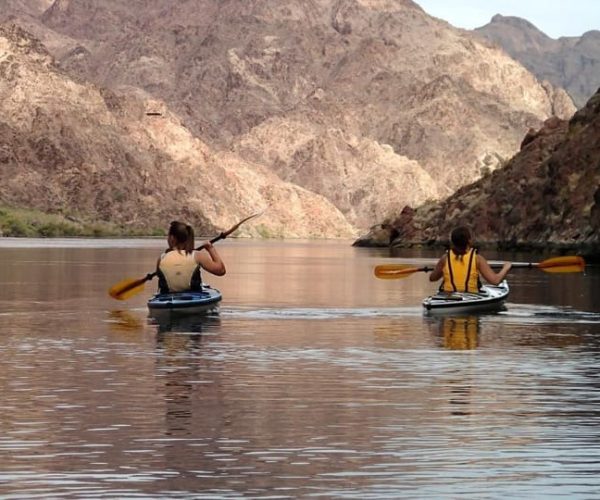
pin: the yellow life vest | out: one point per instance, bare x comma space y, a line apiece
460, 272
178, 269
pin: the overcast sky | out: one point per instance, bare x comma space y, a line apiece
555, 18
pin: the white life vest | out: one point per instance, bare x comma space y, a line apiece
178, 268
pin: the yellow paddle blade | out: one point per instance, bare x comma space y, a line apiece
396, 271
126, 288
566, 264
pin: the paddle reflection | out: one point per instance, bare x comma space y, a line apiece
123, 321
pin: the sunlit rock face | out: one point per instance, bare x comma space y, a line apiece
367, 106
69, 147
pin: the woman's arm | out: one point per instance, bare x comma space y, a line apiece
211, 261
438, 270
488, 273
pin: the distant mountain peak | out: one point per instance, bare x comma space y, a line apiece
569, 62
514, 21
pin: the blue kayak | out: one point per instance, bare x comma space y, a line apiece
197, 302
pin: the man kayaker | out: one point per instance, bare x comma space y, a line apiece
462, 266
178, 268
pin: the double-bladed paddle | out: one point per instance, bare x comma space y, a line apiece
130, 287
566, 264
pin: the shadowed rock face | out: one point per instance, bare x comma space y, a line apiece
370, 105
570, 62
547, 196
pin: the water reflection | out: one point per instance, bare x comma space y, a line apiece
123, 321
340, 390
183, 323
459, 332
177, 365
189, 383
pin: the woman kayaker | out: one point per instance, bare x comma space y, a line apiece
178, 268
461, 267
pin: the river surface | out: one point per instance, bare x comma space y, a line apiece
315, 380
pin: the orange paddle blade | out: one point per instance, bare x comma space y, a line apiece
566, 264
397, 271
127, 288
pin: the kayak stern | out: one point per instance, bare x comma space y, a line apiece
490, 298
204, 301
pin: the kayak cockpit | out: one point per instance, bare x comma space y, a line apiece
489, 298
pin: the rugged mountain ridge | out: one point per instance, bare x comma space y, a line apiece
568, 62
556, 175
382, 70
69, 147
371, 104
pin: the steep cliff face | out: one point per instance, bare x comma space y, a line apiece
371, 104
548, 194
569, 62
372, 72
68, 147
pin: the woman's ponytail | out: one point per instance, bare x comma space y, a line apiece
189, 242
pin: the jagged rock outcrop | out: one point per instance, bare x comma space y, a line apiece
69, 147
547, 196
401, 96
569, 62
361, 177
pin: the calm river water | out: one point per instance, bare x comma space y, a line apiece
315, 380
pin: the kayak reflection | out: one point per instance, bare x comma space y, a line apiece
168, 321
